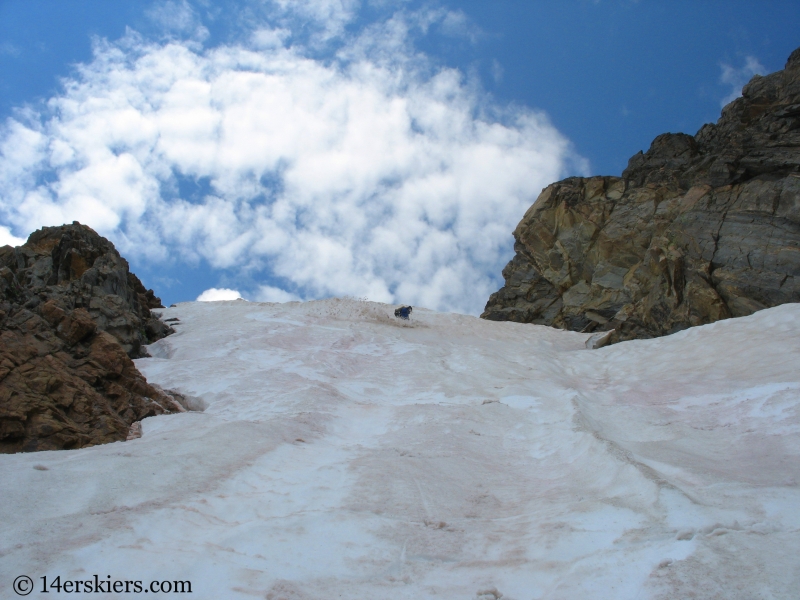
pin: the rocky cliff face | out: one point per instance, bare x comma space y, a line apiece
697, 229
71, 317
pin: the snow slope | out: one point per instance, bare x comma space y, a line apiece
346, 454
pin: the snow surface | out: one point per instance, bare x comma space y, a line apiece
346, 454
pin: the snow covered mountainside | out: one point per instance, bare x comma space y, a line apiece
343, 453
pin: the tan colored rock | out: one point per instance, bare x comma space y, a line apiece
697, 229
135, 431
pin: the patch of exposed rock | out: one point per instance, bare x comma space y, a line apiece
72, 316
697, 229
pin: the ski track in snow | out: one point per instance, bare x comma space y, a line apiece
346, 454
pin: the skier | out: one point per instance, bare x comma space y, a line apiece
403, 312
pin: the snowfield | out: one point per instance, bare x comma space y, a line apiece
344, 453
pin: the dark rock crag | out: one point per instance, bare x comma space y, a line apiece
72, 316
697, 229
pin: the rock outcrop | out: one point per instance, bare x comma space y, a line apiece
697, 229
72, 316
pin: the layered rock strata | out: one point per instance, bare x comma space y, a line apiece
697, 229
72, 316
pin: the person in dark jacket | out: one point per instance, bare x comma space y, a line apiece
403, 312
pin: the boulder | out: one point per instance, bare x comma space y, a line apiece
697, 229
598, 340
72, 316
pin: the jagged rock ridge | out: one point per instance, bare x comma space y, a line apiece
72, 316
697, 229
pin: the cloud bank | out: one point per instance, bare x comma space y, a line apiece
363, 171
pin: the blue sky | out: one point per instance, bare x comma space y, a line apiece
382, 149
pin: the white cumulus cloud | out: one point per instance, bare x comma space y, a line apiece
216, 294
9, 239
371, 173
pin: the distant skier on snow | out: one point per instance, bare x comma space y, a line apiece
403, 312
